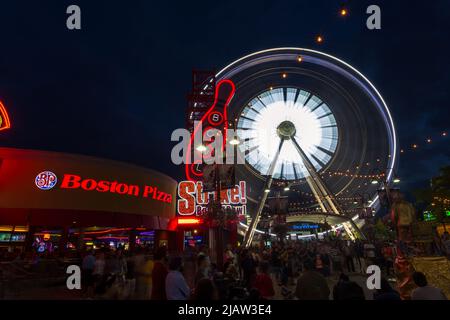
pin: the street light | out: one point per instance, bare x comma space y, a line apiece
201, 148
234, 141
396, 180
266, 190
286, 188
374, 182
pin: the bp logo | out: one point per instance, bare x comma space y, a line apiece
46, 180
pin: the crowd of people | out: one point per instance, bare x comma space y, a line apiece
313, 270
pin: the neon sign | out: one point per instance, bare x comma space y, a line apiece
4, 119
193, 200
214, 118
188, 221
305, 226
47, 180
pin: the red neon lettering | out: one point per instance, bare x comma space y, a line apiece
234, 195
70, 181
103, 186
113, 187
200, 198
122, 188
224, 197
89, 184
243, 189
147, 190
186, 203
133, 190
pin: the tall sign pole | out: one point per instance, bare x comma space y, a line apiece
213, 126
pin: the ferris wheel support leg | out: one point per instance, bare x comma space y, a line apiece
314, 190
251, 229
320, 191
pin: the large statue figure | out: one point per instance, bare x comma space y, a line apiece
403, 215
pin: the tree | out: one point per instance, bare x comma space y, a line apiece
436, 198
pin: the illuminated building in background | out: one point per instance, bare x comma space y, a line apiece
75, 201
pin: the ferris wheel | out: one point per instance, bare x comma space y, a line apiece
301, 114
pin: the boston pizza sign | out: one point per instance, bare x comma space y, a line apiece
47, 180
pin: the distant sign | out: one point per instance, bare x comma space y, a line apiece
305, 226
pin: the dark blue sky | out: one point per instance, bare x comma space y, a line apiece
116, 89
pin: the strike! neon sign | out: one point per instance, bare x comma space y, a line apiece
193, 200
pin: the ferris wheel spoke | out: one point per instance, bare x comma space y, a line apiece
295, 171
324, 115
251, 229
326, 151
329, 126
317, 107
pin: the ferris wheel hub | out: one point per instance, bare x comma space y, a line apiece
286, 130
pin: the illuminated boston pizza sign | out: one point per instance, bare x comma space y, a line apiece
47, 180
194, 201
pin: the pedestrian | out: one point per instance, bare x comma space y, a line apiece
263, 281
348, 254
205, 290
336, 259
386, 292
159, 275
87, 267
359, 251
276, 263
369, 253
99, 273
139, 261
248, 266
203, 269
347, 290
176, 285
424, 291
312, 285
445, 240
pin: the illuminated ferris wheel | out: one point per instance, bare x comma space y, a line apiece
301, 114
313, 127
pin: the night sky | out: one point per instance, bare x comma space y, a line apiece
117, 88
